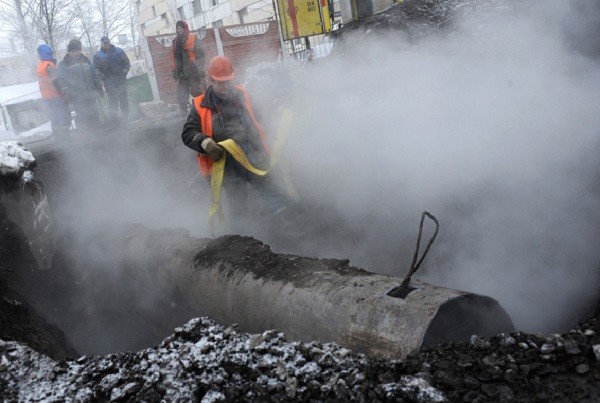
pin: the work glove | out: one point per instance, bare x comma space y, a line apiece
213, 150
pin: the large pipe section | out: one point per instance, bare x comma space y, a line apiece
240, 280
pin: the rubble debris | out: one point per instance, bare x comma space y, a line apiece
24, 201
14, 159
204, 361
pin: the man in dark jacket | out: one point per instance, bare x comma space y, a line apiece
112, 65
81, 86
225, 112
187, 65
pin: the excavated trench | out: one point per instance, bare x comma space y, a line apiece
109, 293
69, 267
112, 285
104, 283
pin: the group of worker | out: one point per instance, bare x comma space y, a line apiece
76, 83
220, 110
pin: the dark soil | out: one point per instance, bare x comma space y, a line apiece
18, 320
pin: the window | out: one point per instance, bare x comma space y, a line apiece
217, 24
243, 13
165, 20
181, 13
214, 2
137, 6
154, 11
197, 5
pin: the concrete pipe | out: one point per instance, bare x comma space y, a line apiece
236, 279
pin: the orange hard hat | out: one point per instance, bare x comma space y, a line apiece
220, 68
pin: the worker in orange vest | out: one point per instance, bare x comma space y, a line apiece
225, 112
187, 64
47, 75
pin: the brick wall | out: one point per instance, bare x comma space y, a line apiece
245, 45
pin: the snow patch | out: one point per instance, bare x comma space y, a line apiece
13, 157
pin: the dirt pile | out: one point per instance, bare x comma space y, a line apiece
517, 366
203, 361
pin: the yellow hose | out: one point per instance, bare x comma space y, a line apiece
218, 168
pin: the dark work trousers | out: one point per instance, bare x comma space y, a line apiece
185, 88
117, 97
87, 116
59, 113
60, 118
235, 182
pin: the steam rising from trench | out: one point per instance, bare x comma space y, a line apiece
491, 128
492, 125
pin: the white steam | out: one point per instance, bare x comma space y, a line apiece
490, 128
491, 125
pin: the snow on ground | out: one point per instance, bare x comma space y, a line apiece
203, 361
37, 133
13, 158
6, 135
14, 94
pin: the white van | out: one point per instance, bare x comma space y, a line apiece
22, 113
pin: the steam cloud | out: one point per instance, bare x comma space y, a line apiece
490, 125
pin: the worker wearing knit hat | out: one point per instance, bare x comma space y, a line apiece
80, 85
112, 64
74, 44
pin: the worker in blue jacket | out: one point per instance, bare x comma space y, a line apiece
112, 65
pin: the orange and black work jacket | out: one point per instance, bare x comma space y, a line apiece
187, 54
47, 87
221, 120
188, 48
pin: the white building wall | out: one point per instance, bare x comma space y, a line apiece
150, 13
211, 16
155, 17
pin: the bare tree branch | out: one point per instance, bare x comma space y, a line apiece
56, 21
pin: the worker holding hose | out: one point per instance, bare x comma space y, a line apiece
225, 112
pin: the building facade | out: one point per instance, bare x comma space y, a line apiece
17, 69
155, 17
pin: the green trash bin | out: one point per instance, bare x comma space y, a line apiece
138, 90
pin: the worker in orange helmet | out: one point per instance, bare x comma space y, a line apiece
225, 112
